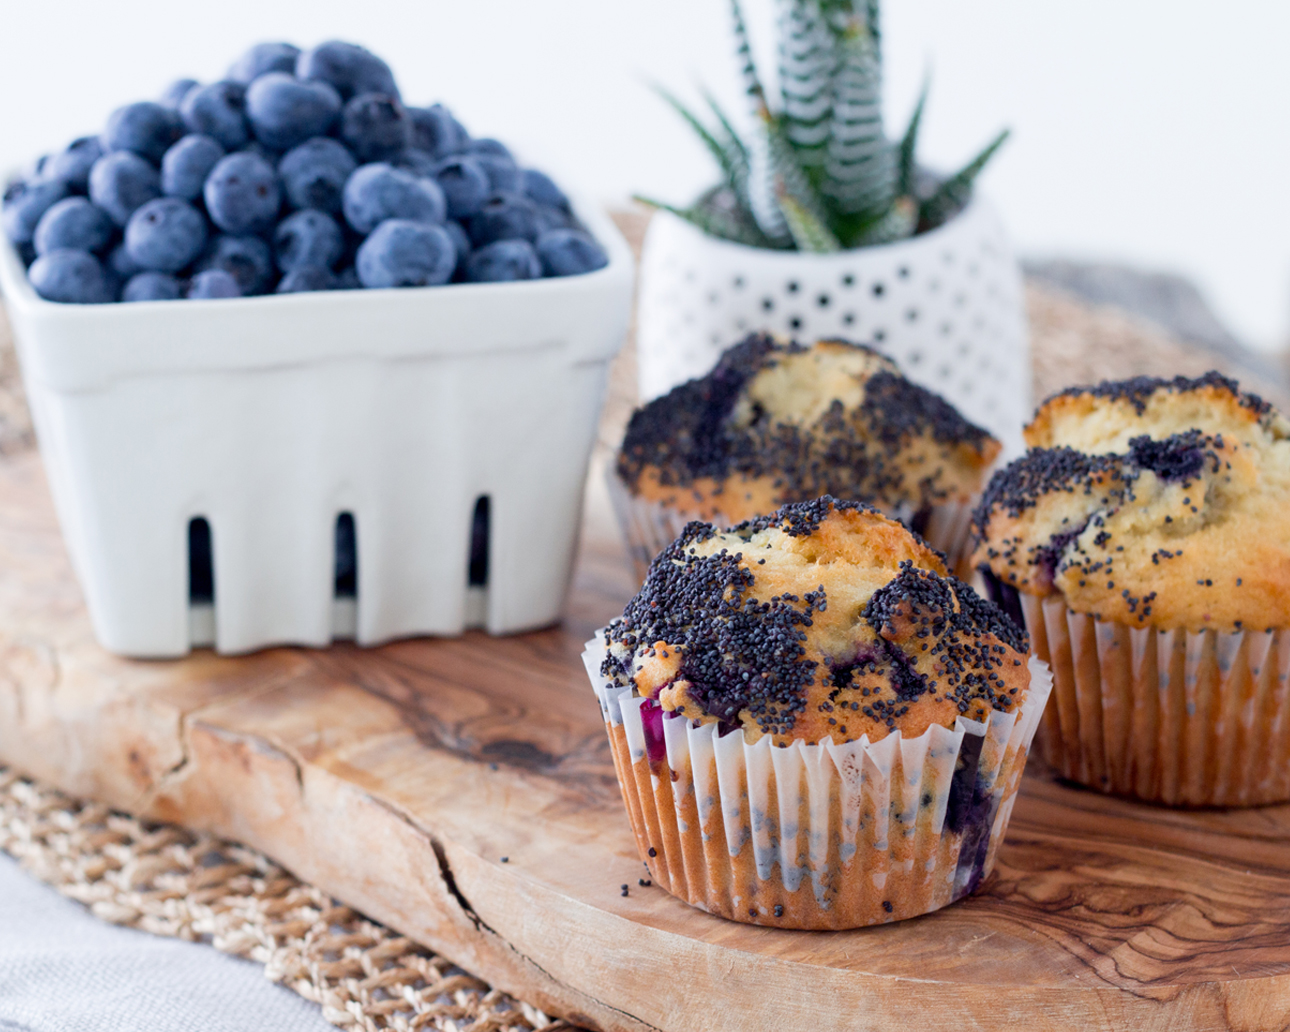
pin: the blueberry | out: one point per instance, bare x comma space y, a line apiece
186, 165
538, 188
242, 193
146, 128
379, 191
119, 265
175, 93
494, 148
504, 216
212, 283
73, 277
284, 111
465, 185
35, 172
503, 261
553, 218
261, 58
165, 235
25, 203
217, 110
308, 238
73, 165
569, 252
435, 130
246, 258
120, 182
73, 224
418, 162
314, 174
347, 67
402, 253
307, 278
504, 175
374, 126
151, 286
347, 279
460, 241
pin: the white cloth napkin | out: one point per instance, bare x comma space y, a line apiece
63, 970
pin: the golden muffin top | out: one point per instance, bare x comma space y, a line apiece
824, 619
1157, 503
778, 422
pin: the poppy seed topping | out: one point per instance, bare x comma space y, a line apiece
822, 620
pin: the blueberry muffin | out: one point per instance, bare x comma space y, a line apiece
778, 422
814, 723
1145, 540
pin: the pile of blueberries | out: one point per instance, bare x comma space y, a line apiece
301, 170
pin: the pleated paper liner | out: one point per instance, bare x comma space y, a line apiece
816, 836
650, 527
1183, 718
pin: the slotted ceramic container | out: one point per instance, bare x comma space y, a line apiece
946, 305
270, 416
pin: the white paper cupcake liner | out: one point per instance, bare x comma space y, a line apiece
650, 527
1184, 718
816, 836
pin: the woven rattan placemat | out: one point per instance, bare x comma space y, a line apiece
164, 879
169, 881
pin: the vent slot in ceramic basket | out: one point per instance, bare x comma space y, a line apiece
270, 417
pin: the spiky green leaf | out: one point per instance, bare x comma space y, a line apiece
809, 232
909, 146
737, 152
714, 221
730, 160
954, 192
898, 223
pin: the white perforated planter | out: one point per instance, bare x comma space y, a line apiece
946, 305
269, 417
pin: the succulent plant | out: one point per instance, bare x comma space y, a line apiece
820, 173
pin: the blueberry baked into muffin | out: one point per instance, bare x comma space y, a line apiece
1145, 540
815, 725
778, 422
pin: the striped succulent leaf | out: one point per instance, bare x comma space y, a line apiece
860, 169
807, 62
820, 174
808, 219
809, 232
761, 180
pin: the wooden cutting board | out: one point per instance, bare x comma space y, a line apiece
399, 779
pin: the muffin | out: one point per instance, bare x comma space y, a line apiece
814, 725
1145, 540
778, 422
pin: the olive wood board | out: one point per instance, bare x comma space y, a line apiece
397, 779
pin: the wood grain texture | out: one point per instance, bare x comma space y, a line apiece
397, 779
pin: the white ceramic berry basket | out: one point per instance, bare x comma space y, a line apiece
270, 416
946, 305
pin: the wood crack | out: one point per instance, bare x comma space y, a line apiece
450, 883
183, 733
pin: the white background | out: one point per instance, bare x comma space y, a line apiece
1153, 131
